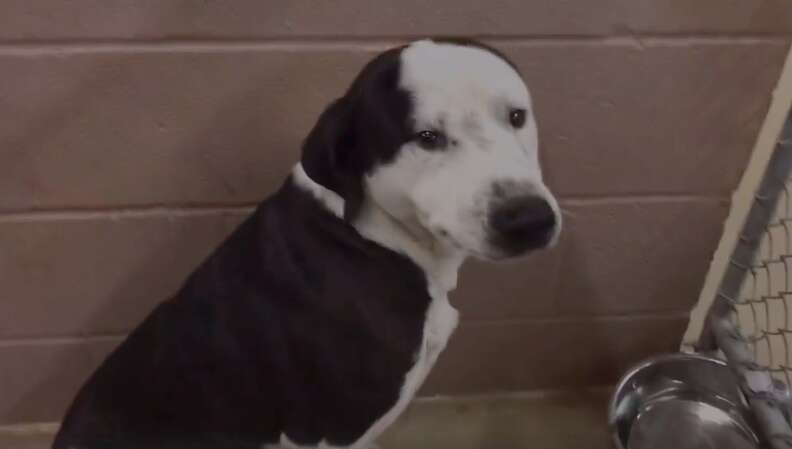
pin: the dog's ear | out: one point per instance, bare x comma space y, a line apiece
328, 156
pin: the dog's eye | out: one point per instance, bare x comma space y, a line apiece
517, 118
430, 140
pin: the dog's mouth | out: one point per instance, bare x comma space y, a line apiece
498, 249
488, 249
488, 255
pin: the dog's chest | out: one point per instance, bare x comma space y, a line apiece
441, 320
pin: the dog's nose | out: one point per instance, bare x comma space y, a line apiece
524, 219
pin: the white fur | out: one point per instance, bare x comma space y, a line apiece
466, 93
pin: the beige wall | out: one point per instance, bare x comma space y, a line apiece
136, 134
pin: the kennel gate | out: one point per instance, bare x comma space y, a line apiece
749, 323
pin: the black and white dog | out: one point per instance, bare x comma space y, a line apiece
317, 320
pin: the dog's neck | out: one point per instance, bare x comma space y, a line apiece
439, 262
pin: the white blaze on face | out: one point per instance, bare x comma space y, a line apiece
466, 93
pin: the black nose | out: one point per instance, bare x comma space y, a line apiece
523, 221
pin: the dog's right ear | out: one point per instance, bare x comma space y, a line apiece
328, 155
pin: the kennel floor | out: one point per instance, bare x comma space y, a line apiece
546, 420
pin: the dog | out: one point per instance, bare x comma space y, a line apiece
318, 319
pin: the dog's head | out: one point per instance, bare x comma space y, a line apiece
441, 136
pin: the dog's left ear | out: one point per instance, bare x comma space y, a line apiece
327, 155
356, 130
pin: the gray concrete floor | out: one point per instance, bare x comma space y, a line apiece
556, 420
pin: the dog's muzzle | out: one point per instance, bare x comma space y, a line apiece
520, 224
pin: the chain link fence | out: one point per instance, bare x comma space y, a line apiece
750, 321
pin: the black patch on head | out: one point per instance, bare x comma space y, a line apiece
466, 42
360, 130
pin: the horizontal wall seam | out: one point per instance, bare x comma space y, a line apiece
176, 210
582, 319
60, 340
367, 43
122, 213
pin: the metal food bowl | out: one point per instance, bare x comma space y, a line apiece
681, 401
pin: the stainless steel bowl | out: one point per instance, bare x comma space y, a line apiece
681, 401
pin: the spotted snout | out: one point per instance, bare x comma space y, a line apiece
518, 223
